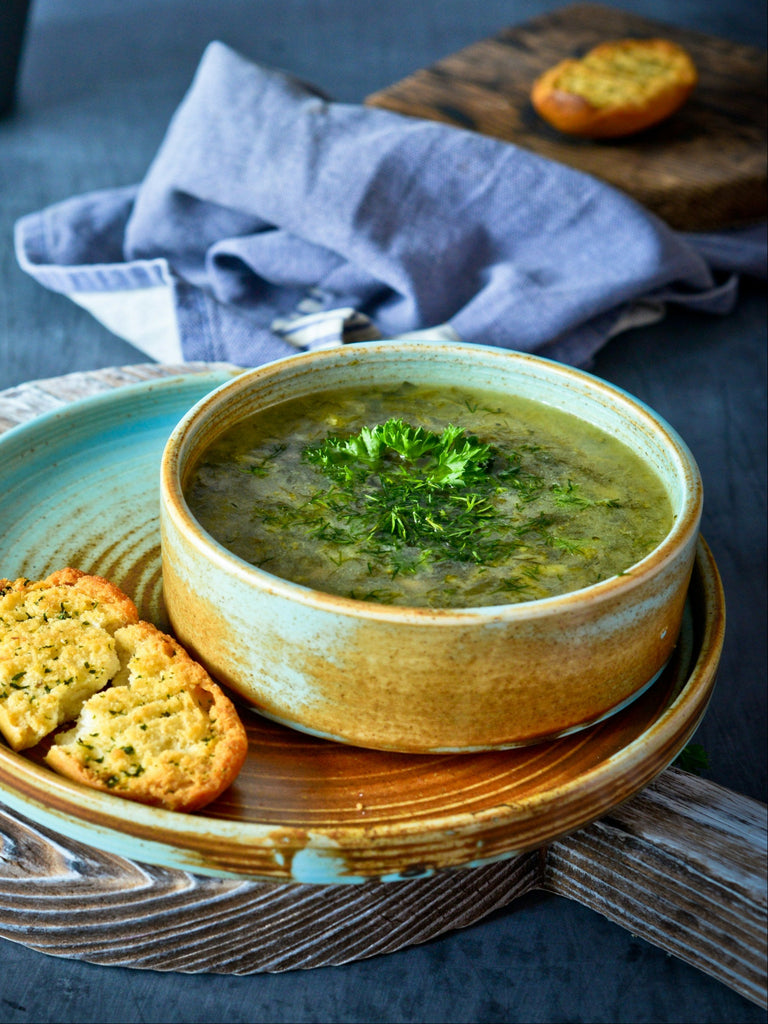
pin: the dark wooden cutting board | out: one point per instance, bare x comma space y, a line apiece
702, 169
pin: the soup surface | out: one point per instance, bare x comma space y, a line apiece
426, 497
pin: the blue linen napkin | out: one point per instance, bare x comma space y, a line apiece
273, 218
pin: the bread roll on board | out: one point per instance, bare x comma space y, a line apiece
618, 88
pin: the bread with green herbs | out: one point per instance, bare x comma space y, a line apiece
57, 648
618, 88
164, 733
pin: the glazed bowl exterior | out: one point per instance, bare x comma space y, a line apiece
420, 679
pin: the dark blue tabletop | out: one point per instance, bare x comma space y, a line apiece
99, 81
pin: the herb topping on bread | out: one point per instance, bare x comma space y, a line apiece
149, 722
164, 733
57, 648
616, 89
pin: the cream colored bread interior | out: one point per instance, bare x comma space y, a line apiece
56, 650
163, 733
149, 722
618, 75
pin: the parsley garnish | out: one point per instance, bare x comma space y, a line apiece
400, 486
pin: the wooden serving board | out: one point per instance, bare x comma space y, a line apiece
682, 864
703, 169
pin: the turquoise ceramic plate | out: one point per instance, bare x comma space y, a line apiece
80, 487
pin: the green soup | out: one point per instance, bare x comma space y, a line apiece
410, 495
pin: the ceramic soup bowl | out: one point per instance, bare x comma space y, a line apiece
427, 679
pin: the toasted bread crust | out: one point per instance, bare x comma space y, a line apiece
150, 723
163, 734
57, 648
617, 89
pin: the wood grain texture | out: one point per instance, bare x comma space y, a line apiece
702, 169
27, 401
683, 864
65, 899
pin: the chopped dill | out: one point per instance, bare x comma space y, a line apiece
398, 486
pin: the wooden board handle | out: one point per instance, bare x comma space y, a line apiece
683, 865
